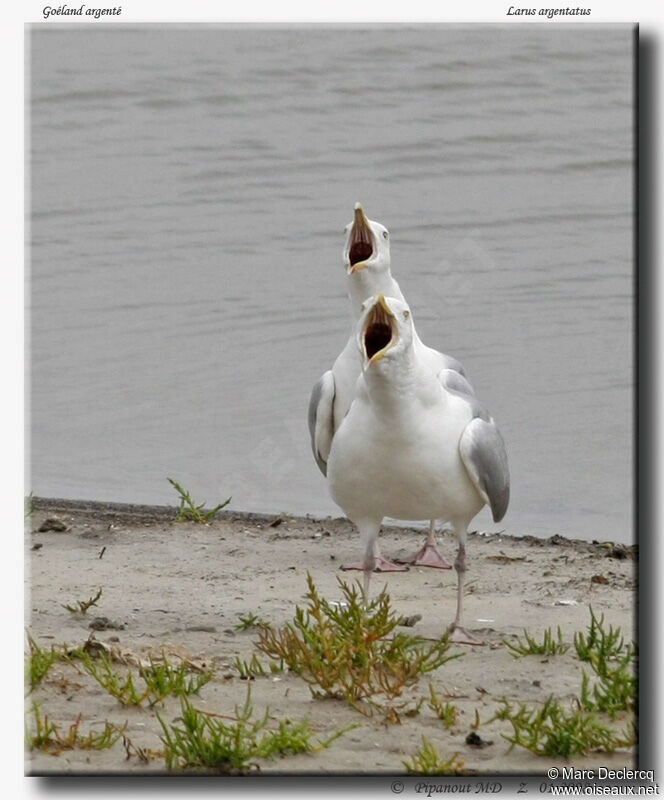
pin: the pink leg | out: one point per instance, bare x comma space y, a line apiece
458, 634
373, 560
429, 556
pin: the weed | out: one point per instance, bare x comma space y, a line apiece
28, 506
122, 688
254, 668
446, 712
251, 621
43, 735
250, 669
144, 754
37, 663
550, 646
613, 664
599, 646
553, 730
72, 654
344, 650
47, 736
414, 710
428, 761
205, 740
161, 681
82, 606
188, 510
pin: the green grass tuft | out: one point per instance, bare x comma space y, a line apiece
251, 621
38, 662
189, 510
428, 761
557, 730
45, 735
614, 667
82, 606
529, 646
28, 506
160, 680
554, 730
352, 650
254, 668
446, 712
206, 740
163, 680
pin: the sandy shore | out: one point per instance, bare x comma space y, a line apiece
183, 586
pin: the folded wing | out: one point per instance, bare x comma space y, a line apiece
483, 454
321, 419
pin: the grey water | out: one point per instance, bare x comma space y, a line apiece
188, 187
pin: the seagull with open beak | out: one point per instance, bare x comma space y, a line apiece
366, 257
411, 447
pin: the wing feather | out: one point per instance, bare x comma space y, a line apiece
321, 419
484, 455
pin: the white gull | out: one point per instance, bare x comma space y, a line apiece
412, 447
366, 258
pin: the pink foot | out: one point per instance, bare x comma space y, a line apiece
381, 565
429, 556
461, 636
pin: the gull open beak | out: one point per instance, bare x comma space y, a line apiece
361, 242
379, 333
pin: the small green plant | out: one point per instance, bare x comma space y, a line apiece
82, 606
120, 687
161, 681
250, 669
251, 621
144, 754
206, 740
351, 650
37, 663
188, 510
613, 692
428, 761
28, 506
554, 730
613, 664
43, 734
47, 736
254, 668
599, 646
549, 646
446, 712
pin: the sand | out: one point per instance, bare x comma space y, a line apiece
182, 587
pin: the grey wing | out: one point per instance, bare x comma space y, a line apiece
455, 381
321, 419
453, 364
483, 453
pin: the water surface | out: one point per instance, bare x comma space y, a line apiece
188, 191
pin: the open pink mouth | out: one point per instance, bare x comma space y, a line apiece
360, 250
379, 331
361, 245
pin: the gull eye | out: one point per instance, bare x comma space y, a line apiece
406, 314
385, 234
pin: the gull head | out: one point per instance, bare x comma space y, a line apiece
385, 329
367, 245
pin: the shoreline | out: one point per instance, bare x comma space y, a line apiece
141, 511
181, 588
